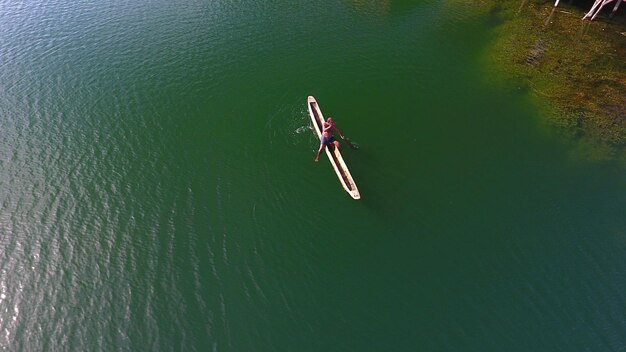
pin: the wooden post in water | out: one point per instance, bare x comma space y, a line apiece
522, 6
615, 8
597, 6
545, 25
595, 9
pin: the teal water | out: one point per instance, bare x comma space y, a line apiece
158, 189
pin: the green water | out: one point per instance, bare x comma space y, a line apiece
158, 189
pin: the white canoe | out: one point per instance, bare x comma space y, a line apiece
334, 155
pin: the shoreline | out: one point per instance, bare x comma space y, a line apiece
574, 69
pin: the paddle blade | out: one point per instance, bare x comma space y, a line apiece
349, 143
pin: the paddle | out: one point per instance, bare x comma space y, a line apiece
330, 120
348, 142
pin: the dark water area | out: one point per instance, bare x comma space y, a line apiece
159, 190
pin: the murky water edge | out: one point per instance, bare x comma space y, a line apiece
572, 68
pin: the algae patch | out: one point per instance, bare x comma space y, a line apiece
575, 69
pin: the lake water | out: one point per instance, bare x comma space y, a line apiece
158, 189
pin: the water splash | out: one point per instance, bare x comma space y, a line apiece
303, 129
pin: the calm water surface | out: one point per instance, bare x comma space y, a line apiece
158, 189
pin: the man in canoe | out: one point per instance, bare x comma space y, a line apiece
327, 137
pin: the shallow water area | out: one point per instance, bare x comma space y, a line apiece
571, 67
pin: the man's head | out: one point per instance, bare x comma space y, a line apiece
330, 120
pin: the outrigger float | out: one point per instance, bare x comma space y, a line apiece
334, 155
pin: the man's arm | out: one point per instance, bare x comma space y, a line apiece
336, 129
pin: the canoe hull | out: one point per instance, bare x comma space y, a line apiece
334, 155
